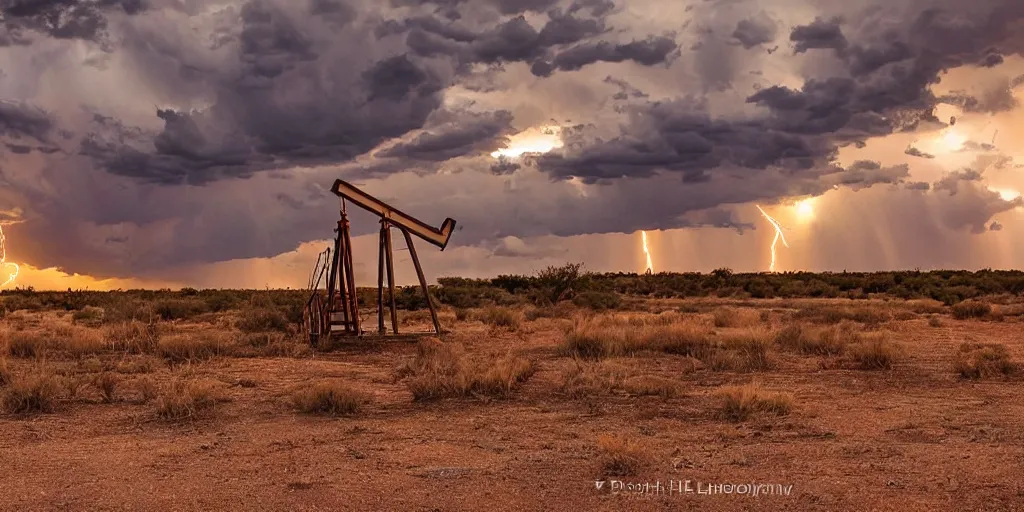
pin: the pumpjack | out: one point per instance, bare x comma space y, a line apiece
336, 313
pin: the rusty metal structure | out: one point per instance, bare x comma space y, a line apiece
336, 312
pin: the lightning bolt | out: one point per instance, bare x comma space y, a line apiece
3, 259
778, 236
647, 252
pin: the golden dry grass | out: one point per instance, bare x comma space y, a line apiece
726, 316
876, 352
187, 399
33, 392
502, 317
107, 383
133, 337
621, 456
194, 346
329, 397
739, 403
442, 370
984, 360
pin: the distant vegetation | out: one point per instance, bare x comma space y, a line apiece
275, 309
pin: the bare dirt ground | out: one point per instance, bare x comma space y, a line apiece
915, 436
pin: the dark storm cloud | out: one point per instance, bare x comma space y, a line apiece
952, 181
648, 52
755, 31
995, 226
464, 134
912, 151
503, 6
334, 111
680, 136
918, 185
20, 122
563, 43
819, 34
61, 19
889, 68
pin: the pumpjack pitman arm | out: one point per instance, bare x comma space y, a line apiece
438, 237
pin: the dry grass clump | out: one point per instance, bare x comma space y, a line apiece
194, 346
877, 352
147, 388
106, 383
261, 319
82, 342
739, 403
502, 317
26, 344
731, 317
329, 397
182, 400
831, 341
971, 309
620, 455
610, 336
747, 350
31, 393
600, 337
871, 314
984, 360
444, 370
133, 337
593, 378
650, 385
935, 321
5, 372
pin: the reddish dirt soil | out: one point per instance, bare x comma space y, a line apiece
916, 437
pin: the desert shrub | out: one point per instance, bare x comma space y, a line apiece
193, 347
259, 319
133, 337
620, 455
556, 283
22, 303
330, 397
462, 314
180, 309
129, 309
935, 322
876, 353
739, 403
183, 400
597, 300
32, 393
5, 372
88, 315
502, 317
984, 360
970, 309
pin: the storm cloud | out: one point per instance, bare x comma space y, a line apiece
199, 134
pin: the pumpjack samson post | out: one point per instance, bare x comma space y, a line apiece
337, 314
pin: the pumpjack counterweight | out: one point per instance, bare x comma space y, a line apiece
337, 313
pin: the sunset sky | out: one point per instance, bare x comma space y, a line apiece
168, 143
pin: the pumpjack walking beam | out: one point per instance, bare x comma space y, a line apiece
342, 308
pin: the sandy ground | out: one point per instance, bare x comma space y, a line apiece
916, 437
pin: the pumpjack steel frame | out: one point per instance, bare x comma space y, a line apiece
338, 313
